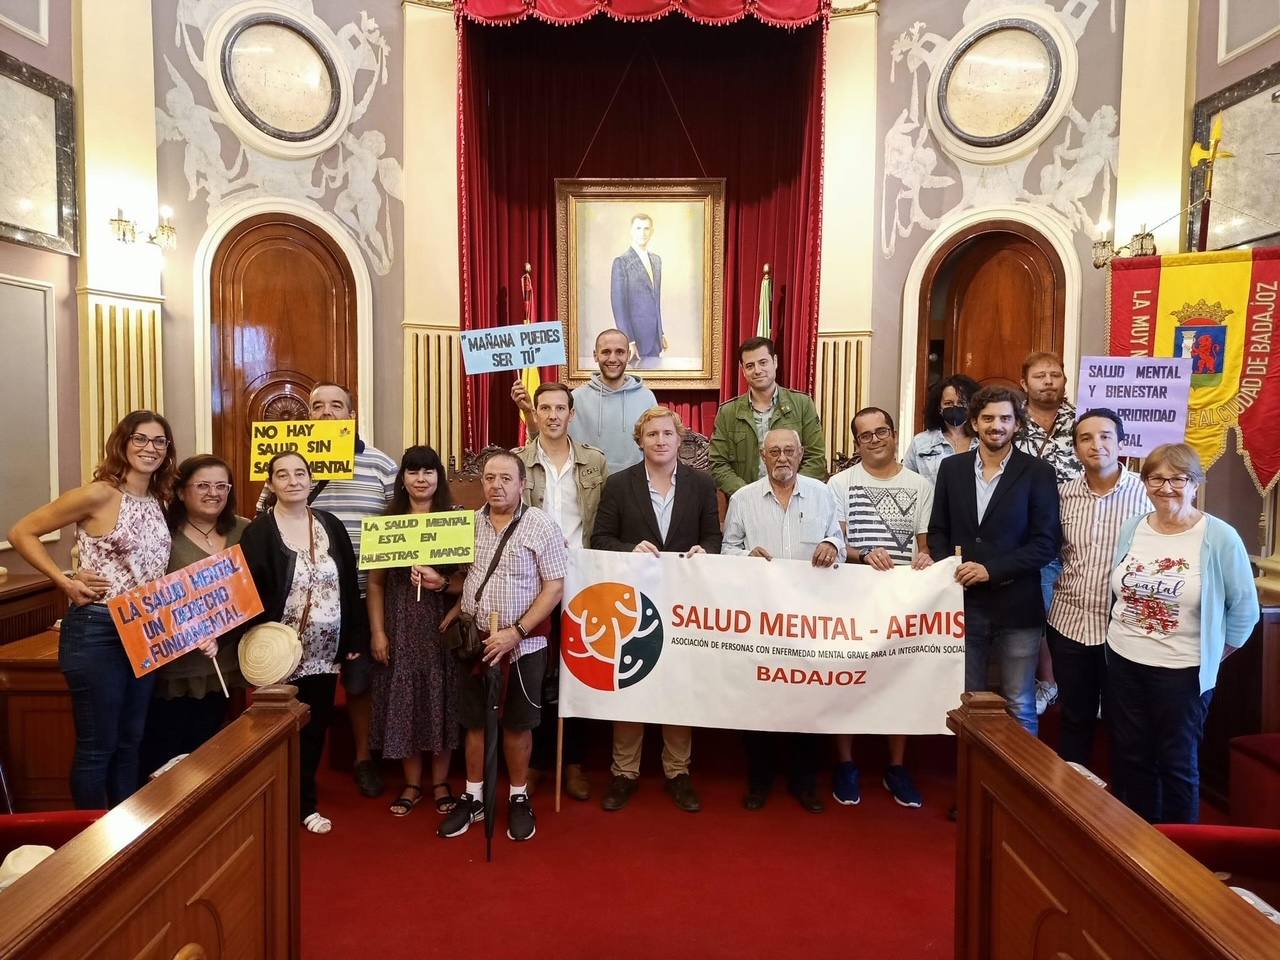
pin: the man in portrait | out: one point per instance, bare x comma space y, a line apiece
635, 289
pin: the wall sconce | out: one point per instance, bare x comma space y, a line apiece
1141, 244
165, 235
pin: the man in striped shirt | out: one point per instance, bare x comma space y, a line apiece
1093, 507
364, 495
884, 513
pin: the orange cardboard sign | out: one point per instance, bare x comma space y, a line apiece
166, 618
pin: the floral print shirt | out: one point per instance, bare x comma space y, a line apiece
1156, 616
1054, 446
320, 638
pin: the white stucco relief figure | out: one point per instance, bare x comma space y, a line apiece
916, 172
354, 179
187, 121
360, 162
1065, 187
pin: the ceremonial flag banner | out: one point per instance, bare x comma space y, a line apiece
328, 445
1216, 309
418, 538
166, 618
752, 644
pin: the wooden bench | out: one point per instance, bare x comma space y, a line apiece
201, 862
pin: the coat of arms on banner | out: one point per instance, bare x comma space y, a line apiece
1201, 337
1216, 309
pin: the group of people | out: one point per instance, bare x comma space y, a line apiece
1136, 594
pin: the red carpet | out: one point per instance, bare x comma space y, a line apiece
873, 881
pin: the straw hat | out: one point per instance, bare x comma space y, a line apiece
269, 653
21, 860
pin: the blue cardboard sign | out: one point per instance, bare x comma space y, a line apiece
513, 348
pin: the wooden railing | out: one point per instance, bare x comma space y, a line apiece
1049, 865
201, 862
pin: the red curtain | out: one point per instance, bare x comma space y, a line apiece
670, 98
779, 13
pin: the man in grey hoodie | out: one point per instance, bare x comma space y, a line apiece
607, 406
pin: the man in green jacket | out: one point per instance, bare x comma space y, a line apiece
742, 422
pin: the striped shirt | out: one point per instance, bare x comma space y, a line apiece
367, 494
883, 513
1090, 529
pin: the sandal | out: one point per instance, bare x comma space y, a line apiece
446, 803
402, 806
318, 823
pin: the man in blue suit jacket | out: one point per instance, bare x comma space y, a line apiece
999, 506
635, 290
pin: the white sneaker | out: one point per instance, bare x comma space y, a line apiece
1046, 694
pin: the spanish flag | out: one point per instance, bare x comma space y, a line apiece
529, 376
1218, 309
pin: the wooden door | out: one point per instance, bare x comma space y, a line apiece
284, 319
990, 297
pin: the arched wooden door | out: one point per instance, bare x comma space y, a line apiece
989, 297
283, 319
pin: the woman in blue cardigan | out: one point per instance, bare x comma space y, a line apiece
1184, 601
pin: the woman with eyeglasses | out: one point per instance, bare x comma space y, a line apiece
122, 535
1184, 601
946, 426
188, 706
305, 570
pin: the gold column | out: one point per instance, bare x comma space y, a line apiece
841, 387
433, 390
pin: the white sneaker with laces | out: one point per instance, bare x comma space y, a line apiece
1046, 695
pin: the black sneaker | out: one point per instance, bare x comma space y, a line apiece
521, 824
367, 779
467, 811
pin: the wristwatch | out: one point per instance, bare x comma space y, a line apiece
524, 634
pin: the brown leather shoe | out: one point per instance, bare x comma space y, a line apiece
619, 792
681, 789
576, 783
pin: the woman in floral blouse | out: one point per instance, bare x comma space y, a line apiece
1184, 601
305, 571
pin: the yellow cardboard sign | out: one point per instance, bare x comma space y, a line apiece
328, 445
418, 538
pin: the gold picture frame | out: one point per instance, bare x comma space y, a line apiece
672, 306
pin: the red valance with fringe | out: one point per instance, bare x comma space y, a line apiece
776, 13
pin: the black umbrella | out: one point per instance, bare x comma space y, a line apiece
492, 688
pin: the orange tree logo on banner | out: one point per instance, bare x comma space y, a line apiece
1216, 309
610, 636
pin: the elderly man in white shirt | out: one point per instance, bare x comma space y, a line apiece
784, 516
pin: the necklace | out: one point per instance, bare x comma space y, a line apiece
206, 534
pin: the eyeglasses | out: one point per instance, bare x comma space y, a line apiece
1175, 483
774, 453
879, 433
140, 440
204, 488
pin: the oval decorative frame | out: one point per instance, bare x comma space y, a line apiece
253, 130
1033, 130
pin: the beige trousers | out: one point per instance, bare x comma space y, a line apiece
677, 744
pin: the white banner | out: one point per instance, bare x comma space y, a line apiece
751, 644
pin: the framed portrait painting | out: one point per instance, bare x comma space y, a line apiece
37, 158
645, 257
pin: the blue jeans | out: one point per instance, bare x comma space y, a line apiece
1156, 716
109, 705
1049, 575
1017, 649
